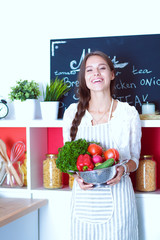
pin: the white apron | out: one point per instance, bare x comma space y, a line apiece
105, 213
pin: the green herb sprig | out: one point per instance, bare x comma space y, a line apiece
68, 154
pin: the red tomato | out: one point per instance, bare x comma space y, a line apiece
111, 153
95, 149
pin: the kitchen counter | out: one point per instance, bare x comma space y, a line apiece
13, 208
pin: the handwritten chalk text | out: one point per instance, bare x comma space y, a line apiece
150, 82
65, 73
140, 71
71, 83
124, 85
137, 100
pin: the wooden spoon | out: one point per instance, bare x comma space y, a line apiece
3, 151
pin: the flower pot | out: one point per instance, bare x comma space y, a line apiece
49, 110
25, 110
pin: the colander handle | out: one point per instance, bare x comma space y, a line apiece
123, 162
71, 171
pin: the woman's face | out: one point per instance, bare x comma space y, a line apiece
98, 74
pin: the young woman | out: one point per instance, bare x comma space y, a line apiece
106, 213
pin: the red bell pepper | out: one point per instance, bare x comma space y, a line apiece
84, 163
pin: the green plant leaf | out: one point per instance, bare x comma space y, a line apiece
55, 90
25, 90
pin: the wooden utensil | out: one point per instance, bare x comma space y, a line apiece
3, 149
3, 153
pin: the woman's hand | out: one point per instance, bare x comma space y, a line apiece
117, 178
131, 167
83, 185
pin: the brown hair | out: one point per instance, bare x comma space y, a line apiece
84, 92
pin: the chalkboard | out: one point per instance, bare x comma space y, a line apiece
136, 59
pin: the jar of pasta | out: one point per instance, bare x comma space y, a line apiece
71, 180
52, 176
146, 174
24, 169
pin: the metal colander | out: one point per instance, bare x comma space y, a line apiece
99, 176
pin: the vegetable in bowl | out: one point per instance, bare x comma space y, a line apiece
68, 154
80, 155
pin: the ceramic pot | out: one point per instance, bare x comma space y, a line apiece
25, 110
49, 110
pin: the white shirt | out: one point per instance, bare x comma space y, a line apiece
125, 126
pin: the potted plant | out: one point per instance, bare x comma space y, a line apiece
51, 96
24, 95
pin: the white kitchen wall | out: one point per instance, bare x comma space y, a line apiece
26, 27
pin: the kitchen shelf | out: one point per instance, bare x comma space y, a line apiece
19, 192
67, 189
50, 192
5, 188
32, 123
64, 188
148, 194
59, 123
41, 137
150, 123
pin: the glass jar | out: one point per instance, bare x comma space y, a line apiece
52, 176
24, 169
146, 174
71, 180
11, 180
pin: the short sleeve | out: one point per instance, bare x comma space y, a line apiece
135, 133
67, 121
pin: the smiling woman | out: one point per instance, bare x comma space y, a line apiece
97, 117
98, 74
98, 77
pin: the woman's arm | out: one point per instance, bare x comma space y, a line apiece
131, 166
67, 121
135, 148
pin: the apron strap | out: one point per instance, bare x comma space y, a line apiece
110, 110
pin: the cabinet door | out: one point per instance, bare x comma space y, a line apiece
148, 217
24, 228
54, 218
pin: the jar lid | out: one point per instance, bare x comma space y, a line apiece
148, 103
146, 156
51, 155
